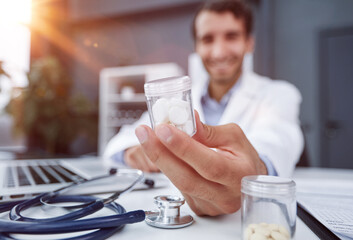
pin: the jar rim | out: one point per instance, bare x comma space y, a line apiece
168, 85
267, 186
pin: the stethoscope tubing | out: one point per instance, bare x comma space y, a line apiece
100, 234
96, 205
106, 226
8, 206
72, 226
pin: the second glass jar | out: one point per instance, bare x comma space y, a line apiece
268, 208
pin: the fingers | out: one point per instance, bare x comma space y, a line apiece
133, 160
202, 207
217, 136
194, 169
208, 163
185, 152
151, 165
183, 176
229, 202
209, 180
136, 158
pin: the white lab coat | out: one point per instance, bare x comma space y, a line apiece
267, 111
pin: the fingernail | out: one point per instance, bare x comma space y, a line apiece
141, 134
163, 133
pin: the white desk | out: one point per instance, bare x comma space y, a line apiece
211, 228
206, 228
222, 227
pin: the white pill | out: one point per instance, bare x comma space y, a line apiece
247, 234
188, 127
284, 231
263, 231
263, 224
273, 227
179, 102
252, 226
257, 236
278, 236
160, 110
178, 115
266, 231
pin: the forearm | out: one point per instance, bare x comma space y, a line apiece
124, 139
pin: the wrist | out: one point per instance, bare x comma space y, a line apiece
270, 169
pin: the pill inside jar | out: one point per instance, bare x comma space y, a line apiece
268, 208
169, 101
266, 231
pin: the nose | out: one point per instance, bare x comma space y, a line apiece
219, 49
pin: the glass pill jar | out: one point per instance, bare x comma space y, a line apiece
169, 101
268, 208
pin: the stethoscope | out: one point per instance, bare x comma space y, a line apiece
168, 214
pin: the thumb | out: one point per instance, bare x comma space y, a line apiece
217, 136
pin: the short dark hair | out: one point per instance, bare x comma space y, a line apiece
238, 8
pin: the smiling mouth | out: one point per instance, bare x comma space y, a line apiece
221, 66
222, 62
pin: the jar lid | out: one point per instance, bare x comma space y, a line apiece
267, 186
167, 86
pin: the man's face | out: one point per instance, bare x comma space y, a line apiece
221, 42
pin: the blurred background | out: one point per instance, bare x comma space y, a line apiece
67, 86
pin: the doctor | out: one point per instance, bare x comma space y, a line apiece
264, 110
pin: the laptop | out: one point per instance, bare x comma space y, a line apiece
23, 179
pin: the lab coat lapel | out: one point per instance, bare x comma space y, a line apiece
240, 100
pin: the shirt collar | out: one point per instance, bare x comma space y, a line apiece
206, 97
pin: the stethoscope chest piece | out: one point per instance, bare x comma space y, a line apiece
169, 215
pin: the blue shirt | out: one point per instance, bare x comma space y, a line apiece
212, 109
213, 112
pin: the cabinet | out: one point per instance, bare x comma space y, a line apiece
122, 98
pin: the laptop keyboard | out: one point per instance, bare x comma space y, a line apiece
36, 173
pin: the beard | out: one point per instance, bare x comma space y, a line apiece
226, 77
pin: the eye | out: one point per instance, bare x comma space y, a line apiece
233, 35
206, 39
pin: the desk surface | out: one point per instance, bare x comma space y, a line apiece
221, 227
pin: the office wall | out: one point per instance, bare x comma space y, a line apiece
296, 28
117, 33
89, 35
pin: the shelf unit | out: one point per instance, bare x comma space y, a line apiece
122, 98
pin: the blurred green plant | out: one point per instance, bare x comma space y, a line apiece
47, 112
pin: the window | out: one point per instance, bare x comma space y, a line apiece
15, 15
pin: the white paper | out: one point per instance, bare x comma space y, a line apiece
332, 210
328, 186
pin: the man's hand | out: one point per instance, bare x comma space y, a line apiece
136, 158
209, 179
